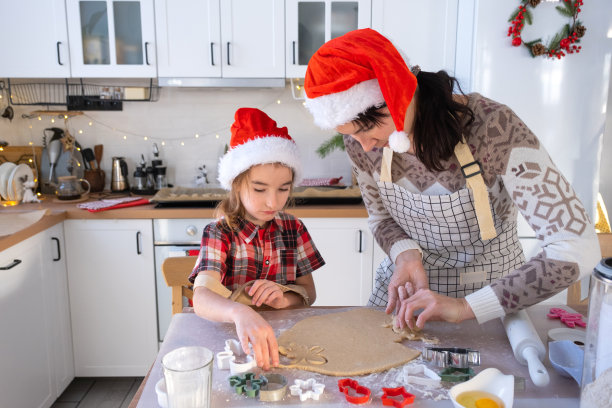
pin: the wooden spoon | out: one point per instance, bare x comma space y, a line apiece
98, 153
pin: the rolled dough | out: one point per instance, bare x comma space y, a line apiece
344, 344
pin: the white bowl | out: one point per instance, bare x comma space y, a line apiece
490, 380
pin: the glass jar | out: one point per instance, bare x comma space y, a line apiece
597, 367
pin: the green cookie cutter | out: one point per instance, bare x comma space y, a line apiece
247, 384
454, 374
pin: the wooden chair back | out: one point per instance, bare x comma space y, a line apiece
176, 271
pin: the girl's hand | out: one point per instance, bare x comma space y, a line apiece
435, 307
269, 293
252, 328
408, 277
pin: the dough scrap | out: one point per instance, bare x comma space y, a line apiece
409, 334
344, 344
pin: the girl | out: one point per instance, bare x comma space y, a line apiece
255, 241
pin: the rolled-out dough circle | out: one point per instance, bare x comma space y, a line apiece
344, 344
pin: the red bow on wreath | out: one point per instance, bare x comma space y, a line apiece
562, 42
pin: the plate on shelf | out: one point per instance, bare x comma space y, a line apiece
5, 172
20, 174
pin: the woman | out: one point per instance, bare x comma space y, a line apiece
446, 211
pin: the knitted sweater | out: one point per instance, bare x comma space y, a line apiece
520, 176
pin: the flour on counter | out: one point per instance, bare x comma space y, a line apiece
598, 394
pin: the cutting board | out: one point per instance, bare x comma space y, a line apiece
30, 155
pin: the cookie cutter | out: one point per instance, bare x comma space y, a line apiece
346, 384
454, 374
247, 384
429, 377
396, 392
452, 357
569, 319
307, 389
274, 389
226, 359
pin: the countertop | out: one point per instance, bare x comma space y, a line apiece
59, 211
489, 338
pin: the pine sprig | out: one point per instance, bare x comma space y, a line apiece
335, 142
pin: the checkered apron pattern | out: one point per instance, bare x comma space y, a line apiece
457, 261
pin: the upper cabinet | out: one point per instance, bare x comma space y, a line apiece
311, 23
219, 39
111, 39
36, 39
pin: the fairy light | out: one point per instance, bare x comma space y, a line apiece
80, 131
65, 116
145, 138
124, 137
182, 143
217, 136
278, 101
90, 123
39, 118
163, 142
52, 120
197, 136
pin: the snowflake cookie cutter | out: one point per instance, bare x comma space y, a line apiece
389, 393
226, 359
307, 389
359, 394
247, 384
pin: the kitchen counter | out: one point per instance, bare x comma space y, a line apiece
59, 211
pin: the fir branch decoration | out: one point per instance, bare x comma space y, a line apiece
335, 142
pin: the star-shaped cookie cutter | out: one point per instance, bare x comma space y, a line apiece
226, 359
247, 384
346, 384
388, 393
307, 389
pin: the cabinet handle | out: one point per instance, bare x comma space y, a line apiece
147, 53
294, 53
59, 252
59, 60
228, 50
138, 250
212, 54
15, 263
360, 250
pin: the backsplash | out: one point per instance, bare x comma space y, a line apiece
173, 123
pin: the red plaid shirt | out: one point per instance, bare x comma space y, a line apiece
281, 253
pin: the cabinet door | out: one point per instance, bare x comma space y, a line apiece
253, 34
25, 371
188, 38
346, 245
311, 23
36, 40
111, 278
408, 24
112, 38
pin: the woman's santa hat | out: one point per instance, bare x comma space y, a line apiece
354, 72
257, 140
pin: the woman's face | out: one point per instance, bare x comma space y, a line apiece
265, 192
375, 136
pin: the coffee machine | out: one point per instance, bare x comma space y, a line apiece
119, 175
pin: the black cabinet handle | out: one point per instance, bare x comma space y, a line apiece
294, 53
12, 265
147, 53
59, 252
228, 50
138, 250
212, 54
360, 241
59, 60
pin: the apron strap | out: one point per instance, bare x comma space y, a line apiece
475, 182
385, 166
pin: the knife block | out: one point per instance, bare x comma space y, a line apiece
95, 178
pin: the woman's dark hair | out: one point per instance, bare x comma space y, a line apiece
440, 120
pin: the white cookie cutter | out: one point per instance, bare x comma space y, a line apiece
227, 359
410, 372
307, 389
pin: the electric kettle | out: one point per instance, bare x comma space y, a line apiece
119, 174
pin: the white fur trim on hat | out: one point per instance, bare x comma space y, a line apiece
399, 141
332, 110
261, 150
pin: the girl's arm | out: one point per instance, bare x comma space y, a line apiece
265, 292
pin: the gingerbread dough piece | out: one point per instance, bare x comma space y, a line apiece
344, 344
409, 334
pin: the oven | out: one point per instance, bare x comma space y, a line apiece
172, 237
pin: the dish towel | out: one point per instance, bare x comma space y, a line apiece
315, 182
113, 203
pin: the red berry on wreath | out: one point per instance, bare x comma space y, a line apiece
516, 41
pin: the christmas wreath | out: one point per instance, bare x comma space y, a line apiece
562, 43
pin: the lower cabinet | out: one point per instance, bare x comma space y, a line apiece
112, 296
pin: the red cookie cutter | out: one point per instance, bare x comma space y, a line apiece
570, 319
346, 384
396, 392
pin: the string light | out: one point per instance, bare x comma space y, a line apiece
197, 136
182, 143
52, 120
145, 138
90, 123
124, 137
80, 131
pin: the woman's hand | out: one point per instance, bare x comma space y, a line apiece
252, 328
408, 277
269, 293
435, 307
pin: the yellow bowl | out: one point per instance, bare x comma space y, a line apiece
490, 380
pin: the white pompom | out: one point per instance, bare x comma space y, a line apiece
399, 142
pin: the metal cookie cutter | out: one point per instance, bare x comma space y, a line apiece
307, 389
247, 384
346, 384
274, 389
396, 392
452, 357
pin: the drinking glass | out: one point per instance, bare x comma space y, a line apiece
188, 374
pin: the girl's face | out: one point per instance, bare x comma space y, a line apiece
265, 191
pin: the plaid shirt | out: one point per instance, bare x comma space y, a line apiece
282, 252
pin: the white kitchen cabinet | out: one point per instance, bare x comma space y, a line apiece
311, 23
111, 278
219, 39
112, 39
347, 246
408, 24
35, 43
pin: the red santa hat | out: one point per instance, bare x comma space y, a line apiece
257, 140
354, 72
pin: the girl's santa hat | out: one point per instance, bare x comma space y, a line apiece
257, 140
354, 72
